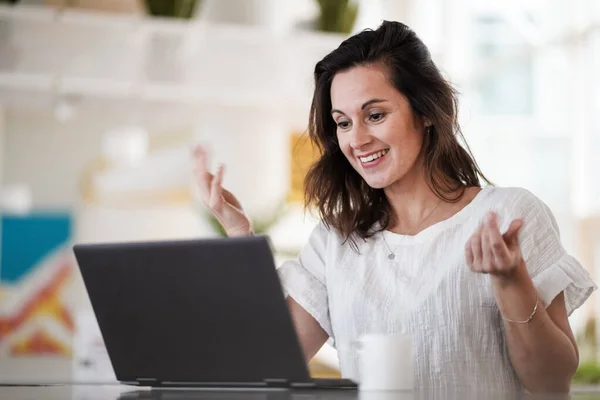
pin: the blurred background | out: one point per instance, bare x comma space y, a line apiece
101, 102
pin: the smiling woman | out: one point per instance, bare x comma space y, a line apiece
410, 242
394, 118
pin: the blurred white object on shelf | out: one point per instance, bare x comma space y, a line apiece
15, 199
125, 146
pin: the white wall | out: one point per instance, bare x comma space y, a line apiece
2, 136
49, 155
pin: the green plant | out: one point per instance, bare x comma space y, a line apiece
337, 16
184, 9
586, 340
259, 225
588, 373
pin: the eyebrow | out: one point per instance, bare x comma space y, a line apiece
365, 104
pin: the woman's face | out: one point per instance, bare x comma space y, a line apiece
376, 128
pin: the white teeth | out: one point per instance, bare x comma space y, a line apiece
373, 156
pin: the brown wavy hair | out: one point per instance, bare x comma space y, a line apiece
341, 196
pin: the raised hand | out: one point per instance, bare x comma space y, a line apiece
221, 203
490, 252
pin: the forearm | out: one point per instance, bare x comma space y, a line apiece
543, 356
311, 335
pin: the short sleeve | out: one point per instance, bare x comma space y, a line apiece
552, 269
303, 278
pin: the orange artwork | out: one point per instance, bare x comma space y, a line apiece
41, 324
303, 155
40, 343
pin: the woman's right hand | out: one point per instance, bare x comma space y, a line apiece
221, 203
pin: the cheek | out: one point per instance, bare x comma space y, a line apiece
415, 145
407, 146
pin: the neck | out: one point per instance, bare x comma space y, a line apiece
411, 201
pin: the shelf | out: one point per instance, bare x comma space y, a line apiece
108, 56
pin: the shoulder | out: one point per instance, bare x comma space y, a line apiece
331, 246
540, 228
327, 235
322, 233
321, 240
511, 203
517, 202
511, 196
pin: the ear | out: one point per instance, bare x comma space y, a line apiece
427, 123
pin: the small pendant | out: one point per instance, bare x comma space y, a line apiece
391, 256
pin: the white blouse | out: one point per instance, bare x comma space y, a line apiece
428, 291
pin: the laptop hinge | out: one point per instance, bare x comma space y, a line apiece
147, 381
277, 383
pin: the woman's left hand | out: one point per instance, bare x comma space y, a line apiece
490, 252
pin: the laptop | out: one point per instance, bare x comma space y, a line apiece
195, 313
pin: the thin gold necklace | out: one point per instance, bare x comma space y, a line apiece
392, 255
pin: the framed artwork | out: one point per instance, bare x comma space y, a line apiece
36, 271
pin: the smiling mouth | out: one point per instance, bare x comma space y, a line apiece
373, 157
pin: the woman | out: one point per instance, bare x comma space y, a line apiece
409, 240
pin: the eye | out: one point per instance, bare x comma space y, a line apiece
377, 116
343, 125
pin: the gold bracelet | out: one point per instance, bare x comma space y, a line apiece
537, 300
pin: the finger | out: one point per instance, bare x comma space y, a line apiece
201, 149
203, 177
487, 258
476, 248
203, 180
198, 149
216, 195
513, 228
469, 255
511, 236
500, 253
201, 156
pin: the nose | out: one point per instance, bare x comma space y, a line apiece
360, 136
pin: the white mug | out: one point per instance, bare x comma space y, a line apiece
385, 363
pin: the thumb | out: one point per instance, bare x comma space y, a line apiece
511, 236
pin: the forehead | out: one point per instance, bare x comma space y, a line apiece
351, 88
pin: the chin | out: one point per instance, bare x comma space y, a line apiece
377, 180
377, 184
